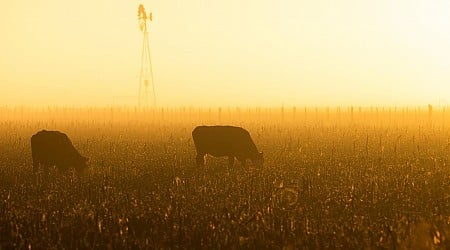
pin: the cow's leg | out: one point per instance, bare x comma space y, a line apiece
61, 168
35, 165
230, 160
35, 161
45, 168
242, 161
200, 160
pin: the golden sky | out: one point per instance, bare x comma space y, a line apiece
227, 53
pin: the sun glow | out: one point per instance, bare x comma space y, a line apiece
215, 53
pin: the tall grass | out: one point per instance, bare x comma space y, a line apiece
333, 178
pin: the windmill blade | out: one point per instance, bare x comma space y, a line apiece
141, 12
141, 9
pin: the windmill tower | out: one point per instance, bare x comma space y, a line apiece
146, 75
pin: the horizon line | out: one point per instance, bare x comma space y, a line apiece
77, 106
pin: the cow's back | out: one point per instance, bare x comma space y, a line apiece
50, 146
223, 140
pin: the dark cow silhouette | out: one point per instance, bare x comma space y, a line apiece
234, 142
53, 148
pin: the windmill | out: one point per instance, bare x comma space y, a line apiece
146, 75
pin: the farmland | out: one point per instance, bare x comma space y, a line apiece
332, 178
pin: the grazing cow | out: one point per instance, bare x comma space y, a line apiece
53, 148
234, 142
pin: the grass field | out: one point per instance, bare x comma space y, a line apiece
357, 178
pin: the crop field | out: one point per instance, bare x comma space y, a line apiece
351, 178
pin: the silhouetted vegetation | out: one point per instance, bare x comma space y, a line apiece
332, 178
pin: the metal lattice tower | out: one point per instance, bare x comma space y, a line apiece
146, 75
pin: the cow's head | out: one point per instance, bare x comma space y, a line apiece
82, 164
258, 160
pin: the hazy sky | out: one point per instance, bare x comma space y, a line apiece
234, 52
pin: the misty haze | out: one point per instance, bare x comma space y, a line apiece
255, 124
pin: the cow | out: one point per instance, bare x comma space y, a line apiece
54, 148
234, 142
